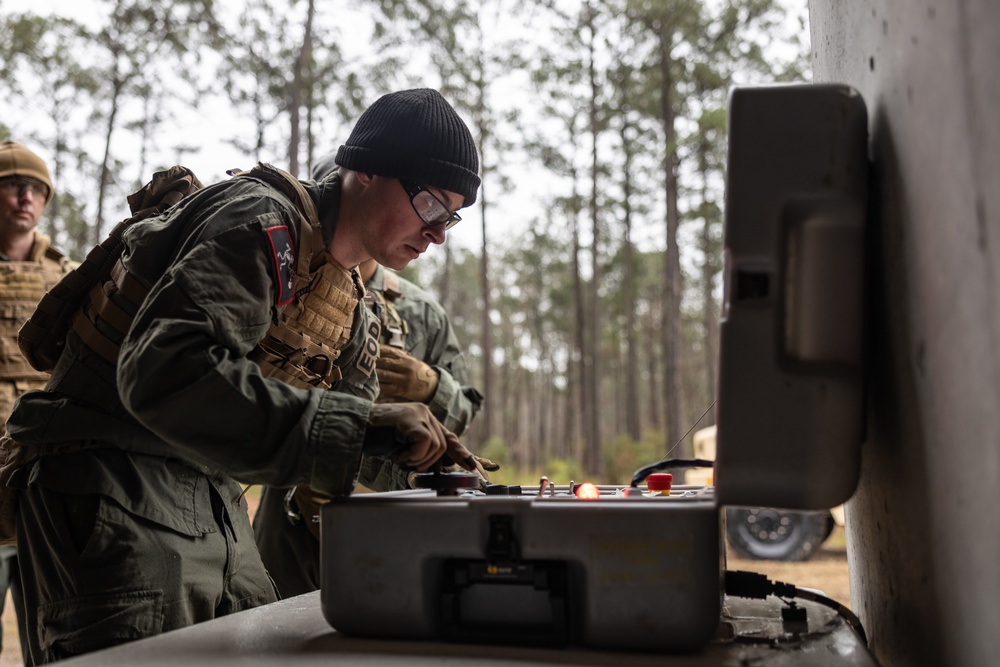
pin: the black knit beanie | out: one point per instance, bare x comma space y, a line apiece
416, 135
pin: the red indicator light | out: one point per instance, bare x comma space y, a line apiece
587, 491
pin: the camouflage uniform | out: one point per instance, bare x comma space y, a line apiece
138, 525
290, 551
22, 284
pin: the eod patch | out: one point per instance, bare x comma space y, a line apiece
369, 353
284, 258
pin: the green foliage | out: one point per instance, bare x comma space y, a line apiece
65, 219
495, 450
558, 471
562, 471
623, 456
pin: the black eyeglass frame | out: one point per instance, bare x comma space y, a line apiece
413, 189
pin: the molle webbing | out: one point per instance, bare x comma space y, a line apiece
302, 348
391, 285
327, 311
394, 328
103, 322
22, 284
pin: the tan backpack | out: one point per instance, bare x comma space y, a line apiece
42, 337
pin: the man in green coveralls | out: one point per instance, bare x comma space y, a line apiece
420, 360
132, 512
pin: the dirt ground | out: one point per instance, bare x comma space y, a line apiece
826, 571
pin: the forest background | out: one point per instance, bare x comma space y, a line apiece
585, 283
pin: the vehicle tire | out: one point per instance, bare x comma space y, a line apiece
760, 533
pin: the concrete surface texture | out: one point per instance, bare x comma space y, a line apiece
924, 525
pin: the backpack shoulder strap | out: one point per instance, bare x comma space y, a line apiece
309, 227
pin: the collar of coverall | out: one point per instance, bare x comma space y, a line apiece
327, 194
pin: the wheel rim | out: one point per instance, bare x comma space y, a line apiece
766, 533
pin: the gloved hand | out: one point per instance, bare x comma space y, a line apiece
403, 377
308, 502
409, 434
483, 467
485, 463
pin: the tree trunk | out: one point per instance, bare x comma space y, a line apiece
632, 420
489, 401
444, 283
105, 178
672, 283
298, 84
544, 401
593, 462
708, 269
580, 328
310, 88
652, 333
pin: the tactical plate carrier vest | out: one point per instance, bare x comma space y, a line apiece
22, 284
300, 349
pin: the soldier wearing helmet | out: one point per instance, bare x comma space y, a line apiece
29, 265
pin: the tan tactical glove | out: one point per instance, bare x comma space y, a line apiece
307, 502
403, 377
409, 434
485, 463
483, 467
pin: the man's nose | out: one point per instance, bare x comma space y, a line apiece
436, 233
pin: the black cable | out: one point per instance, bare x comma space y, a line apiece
663, 464
758, 586
642, 473
846, 613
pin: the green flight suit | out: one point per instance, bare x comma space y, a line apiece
290, 551
149, 532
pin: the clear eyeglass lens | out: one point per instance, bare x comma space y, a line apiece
17, 187
430, 209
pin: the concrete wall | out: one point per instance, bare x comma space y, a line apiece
924, 525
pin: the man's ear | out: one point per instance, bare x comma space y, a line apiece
365, 179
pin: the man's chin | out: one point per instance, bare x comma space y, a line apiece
397, 263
